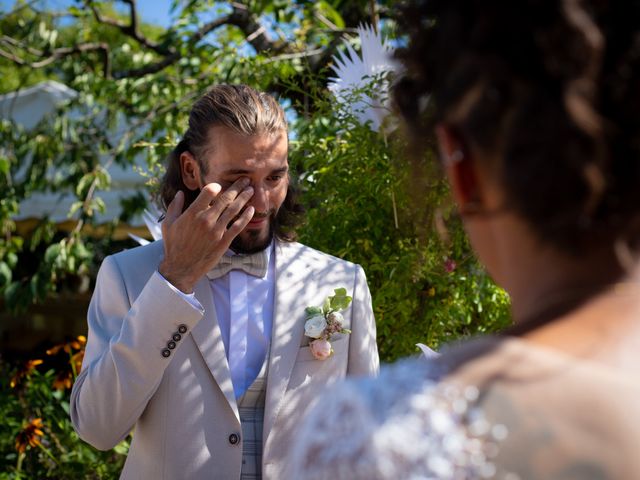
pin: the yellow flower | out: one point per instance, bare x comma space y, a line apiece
75, 349
63, 381
77, 344
431, 292
26, 370
30, 435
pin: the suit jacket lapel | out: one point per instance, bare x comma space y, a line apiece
208, 338
288, 329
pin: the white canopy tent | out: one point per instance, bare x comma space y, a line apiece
64, 314
28, 107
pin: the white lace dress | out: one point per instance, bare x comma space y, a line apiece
402, 425
492, 408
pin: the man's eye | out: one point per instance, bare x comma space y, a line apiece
274, 178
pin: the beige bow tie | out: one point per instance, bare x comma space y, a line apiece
254, 264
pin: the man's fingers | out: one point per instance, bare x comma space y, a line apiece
174, 210
207, 195
238, 225
223, 200
235, 207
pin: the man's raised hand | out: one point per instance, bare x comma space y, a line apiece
195, 240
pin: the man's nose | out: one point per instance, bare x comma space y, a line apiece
260, 199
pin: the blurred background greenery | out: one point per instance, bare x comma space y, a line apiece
133, 84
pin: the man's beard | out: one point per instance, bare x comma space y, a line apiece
251, 241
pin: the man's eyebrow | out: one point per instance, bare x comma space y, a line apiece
236, 171
241, 171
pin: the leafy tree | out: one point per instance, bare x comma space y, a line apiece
146, 77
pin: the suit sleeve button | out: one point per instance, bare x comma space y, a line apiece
234, 438
182, 328
176, 337
166, 352
171, 345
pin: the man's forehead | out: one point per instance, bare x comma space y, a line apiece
226, 135
233, 151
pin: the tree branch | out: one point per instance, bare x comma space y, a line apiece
294, 55
130, 29
322, 60
150, 68
18, 44
240, 17
255, 33
174, 56
62, 52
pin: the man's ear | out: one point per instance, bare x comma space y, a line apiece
461, 169
190, 171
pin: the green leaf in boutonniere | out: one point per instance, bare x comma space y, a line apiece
340, 300
313, 311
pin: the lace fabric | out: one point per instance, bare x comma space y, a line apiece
404, 424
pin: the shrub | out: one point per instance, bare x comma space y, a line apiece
365, 203
37, 439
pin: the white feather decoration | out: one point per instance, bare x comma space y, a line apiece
354, 72
427, 352
150, 218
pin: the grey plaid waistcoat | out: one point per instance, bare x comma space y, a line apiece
251, 409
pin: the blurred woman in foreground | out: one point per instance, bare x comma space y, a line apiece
536, 109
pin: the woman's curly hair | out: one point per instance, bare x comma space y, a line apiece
553, 89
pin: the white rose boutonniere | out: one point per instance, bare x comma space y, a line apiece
315, 326
322, 322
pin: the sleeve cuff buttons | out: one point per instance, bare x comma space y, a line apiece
176, 337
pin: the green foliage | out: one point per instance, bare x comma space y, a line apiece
37, 161
361, 206
37, 439
130, 112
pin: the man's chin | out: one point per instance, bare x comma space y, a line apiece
252, 240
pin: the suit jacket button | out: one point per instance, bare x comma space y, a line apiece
234, 438
166, 352
171, 345
182, 328
176, 337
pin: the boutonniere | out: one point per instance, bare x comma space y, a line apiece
322, 322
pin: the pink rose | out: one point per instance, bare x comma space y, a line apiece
321, 349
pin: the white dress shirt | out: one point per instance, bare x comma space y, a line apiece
244, 308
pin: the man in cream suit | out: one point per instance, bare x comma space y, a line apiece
196, 342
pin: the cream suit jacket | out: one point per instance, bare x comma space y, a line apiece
182, 408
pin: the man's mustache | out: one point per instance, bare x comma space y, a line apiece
257, 215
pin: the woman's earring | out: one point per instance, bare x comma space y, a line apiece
455, 157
